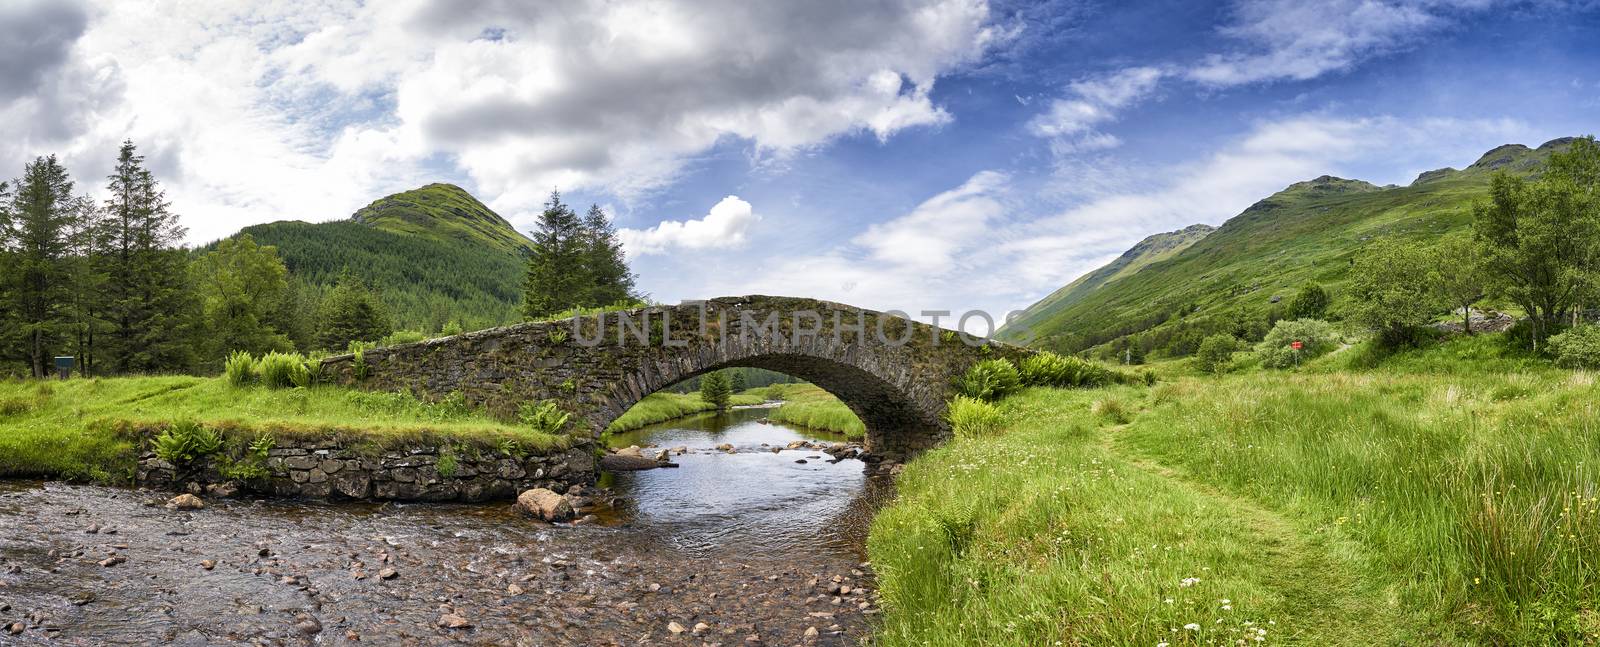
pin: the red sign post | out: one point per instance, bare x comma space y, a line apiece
1296, 344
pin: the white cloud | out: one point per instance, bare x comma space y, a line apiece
268, 110
724, 227
1070, 123
1304, 39
930, 237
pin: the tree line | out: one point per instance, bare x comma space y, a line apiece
111, 284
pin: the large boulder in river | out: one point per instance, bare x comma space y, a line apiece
185, 502
545, 505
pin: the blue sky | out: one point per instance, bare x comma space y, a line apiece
906, 154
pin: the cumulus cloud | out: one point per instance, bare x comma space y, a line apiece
931, 236
724, 227
308, 110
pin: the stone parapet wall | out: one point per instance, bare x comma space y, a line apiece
330, 470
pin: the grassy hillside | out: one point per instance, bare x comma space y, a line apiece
1155, 248
1310, 231
1445, 498
434, 253
443, 211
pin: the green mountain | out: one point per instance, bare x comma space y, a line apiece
434, 254
443, 211
1172, 289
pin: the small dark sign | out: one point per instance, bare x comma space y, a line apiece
64, 366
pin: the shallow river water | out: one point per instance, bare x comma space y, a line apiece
740, 548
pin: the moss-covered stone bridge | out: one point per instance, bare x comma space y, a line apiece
893, 372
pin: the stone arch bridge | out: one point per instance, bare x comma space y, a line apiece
893, 372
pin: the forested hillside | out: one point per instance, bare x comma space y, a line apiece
1240, 278
433, 255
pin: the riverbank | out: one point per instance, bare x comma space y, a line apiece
96, 429
809, 406
663, 406
1418, 503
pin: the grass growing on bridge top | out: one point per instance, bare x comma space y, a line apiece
85, 428
1384, 507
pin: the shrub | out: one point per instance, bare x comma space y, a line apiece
359, 366
973, 418
450, 329
284, 370
1310, 303
545, 417
183, 442
240, 368
1577, 348
1216, 352
989, 380
1317, 338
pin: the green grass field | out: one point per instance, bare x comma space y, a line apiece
1410, 504
85, 428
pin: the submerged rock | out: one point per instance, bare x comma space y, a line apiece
185, 502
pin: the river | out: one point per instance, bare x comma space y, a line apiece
750, 547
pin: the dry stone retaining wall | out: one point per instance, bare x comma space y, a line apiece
329, 470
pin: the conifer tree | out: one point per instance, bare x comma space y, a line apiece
37, 229
715, 389
611, 282
149, 303
557, 278
351, 312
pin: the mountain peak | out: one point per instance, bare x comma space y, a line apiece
445, 211
1330, 185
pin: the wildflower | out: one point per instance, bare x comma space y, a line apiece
1189, 581
1193, 626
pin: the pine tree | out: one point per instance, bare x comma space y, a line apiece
351, 312
149, 300
88, 239
557, 278
715, 389
38, 230
737, 382
611, 282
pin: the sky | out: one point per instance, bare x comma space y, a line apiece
899, 154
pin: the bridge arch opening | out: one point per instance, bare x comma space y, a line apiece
895, 423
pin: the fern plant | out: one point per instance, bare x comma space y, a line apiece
184, 442
544, 417
240, 368
989, 380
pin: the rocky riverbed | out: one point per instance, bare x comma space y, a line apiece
719, 551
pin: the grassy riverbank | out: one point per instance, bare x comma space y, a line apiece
807, 405
662, 406
85, 428
1414, 503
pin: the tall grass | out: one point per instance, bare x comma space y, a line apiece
810, 406
662, 406
1479, 491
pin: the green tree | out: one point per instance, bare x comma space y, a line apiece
715, 389
736, 382
351, 312
86, 308
1310, 303
149, 299
1390, 291
1458, 276
557, 278
1541, 240
39, 229
1216, 352
611, 281
241, 285
1316, 338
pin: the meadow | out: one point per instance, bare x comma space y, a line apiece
1448, 496
809, 406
